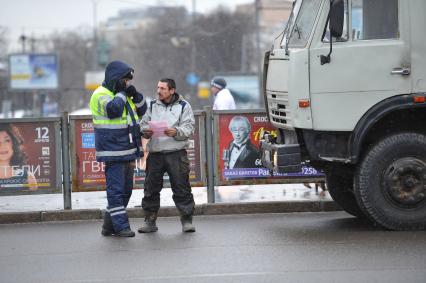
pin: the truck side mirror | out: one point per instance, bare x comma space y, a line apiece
337, 11
336, 18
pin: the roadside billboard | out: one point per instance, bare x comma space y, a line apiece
33, 71
29, 158
88, 174
238, 156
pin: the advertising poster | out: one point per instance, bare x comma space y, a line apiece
33, 71
27, 158
90, 173
240, 158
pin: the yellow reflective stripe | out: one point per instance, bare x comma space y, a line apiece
100, 98
133, 106
102, 103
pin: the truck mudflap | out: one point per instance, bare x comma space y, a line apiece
281, 158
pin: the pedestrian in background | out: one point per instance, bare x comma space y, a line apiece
116, 108
167, 153
223, 97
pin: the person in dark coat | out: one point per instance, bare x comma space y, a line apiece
116, 109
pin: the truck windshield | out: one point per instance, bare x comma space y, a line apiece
300, 23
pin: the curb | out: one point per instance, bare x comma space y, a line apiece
202, 209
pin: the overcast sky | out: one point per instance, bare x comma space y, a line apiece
45, 16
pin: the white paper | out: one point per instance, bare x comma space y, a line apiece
158, 128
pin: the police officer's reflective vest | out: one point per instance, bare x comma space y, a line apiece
114, 138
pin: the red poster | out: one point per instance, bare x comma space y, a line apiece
239, 145
239, 136
27, 158
90, 173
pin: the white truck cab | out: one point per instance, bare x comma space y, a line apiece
345, 85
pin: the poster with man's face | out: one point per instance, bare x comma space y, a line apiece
239, 154
28, 158
239, 145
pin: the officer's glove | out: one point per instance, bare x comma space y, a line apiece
120, 86
132, 92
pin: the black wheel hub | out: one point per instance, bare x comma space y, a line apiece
406, 181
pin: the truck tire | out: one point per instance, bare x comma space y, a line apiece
390, 183
340, 186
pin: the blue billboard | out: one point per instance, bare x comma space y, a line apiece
33, 71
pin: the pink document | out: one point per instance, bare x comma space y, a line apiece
158, 128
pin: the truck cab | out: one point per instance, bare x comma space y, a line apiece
345, 85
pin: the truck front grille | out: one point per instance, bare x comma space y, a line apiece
279, 108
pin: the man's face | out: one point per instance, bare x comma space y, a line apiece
239, 131
127, 82
165, 94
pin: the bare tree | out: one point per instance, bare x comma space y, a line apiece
74, 54
4, 43
152, 53
220, 41
3, 57
164, 49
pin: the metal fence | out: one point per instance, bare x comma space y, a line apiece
53, 155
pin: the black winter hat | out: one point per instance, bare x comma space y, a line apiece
220, 83
129, 75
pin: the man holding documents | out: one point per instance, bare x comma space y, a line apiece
168, 123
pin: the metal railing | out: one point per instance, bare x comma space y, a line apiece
58, 155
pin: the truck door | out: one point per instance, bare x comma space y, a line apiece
369, 63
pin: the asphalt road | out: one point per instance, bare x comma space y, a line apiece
296, 247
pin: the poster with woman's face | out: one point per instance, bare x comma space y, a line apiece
27, 158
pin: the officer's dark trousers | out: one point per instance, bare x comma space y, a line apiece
176, 164
119, 185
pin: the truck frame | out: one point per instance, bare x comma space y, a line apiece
345, 85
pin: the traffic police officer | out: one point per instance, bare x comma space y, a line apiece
116, 108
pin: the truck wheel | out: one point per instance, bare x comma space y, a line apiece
390, 184
340, 187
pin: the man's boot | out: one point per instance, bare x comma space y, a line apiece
125, 233
187, 224
149, 224
107, 228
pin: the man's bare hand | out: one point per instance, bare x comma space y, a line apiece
147, 133
170, 132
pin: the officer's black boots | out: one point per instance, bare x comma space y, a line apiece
187, 224
125, 233
149, 225
107, 228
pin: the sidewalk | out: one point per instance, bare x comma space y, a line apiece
223, 194
228, 200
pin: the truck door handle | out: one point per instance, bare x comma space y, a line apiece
404, 71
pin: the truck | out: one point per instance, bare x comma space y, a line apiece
345, 86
